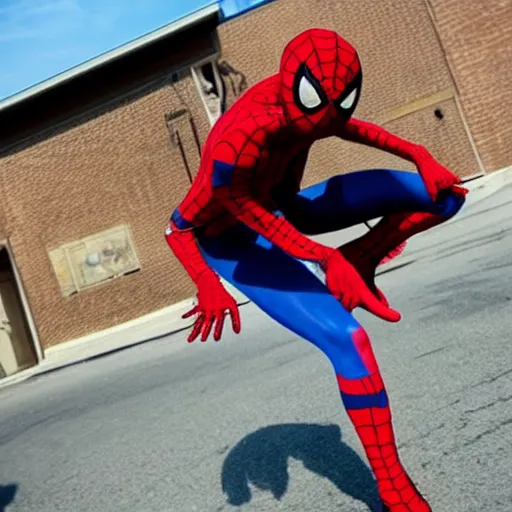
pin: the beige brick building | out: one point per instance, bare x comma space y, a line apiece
93, 161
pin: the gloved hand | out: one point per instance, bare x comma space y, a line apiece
214, 302
349, 288
436, 177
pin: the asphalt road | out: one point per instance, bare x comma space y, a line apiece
255, 422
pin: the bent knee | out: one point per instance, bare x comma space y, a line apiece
349, 350
449, 203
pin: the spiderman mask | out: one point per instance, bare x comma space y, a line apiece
321, 80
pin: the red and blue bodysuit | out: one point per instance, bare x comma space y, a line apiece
247, 219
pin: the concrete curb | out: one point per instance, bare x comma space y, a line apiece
168, 320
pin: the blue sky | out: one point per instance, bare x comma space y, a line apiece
41, 38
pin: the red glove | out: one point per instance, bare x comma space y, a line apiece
213, 304
350, 289
436, 177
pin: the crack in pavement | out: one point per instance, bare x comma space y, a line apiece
421, 436
489, 431
488, 406
490, 380
451, 404
430, 352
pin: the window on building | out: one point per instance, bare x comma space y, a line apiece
211, 88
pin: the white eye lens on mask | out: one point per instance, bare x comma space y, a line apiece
307, 94
348, 102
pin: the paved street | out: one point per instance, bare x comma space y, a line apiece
255, 422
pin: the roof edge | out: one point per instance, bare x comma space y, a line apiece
121, 51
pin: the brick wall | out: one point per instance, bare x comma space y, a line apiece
477, 38
111, 166
402, 62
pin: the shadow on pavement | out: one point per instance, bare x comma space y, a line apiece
261, 459
7, 494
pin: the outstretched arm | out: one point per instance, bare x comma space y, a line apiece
434, 175
184, 246
375, 136
213, 299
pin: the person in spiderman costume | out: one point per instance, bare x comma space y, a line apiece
247, 220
